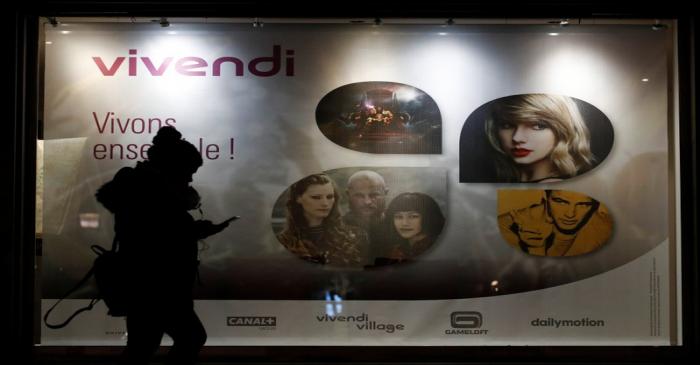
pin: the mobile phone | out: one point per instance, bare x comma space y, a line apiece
230, 219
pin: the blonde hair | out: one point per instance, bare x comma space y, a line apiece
571, 154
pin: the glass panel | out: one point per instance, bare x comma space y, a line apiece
253, 104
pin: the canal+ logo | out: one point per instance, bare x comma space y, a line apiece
252, 321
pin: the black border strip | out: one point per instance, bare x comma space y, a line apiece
18, 157
18, 135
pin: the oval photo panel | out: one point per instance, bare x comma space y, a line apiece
362, 217
381, 117
553, 222
533, 138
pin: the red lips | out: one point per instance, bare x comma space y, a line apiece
520, 152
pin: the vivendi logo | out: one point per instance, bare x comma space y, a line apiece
263, 66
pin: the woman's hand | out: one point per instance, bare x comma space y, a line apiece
205, 228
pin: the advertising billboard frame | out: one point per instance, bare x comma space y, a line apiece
27, 126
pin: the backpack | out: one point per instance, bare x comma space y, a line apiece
108, 269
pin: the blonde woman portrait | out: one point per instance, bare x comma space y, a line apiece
534, 138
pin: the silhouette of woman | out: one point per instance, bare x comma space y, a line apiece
158, 240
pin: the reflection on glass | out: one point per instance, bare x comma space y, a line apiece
334, 304
89, 220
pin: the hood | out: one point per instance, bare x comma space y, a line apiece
116, 193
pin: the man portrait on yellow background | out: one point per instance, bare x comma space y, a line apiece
561, 223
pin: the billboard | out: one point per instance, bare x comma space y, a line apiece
477, 185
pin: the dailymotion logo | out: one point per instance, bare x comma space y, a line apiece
466, 323
557, 323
